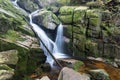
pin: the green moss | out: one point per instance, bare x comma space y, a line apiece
77, 65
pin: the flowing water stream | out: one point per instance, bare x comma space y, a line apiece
56, 48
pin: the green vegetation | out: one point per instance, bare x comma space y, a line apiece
77, 65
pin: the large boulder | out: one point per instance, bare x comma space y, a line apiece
67, 74
46, 19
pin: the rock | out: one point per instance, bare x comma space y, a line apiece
46, 19
4, 21
5, 74
45, 78
9, 57
67, 74
28, 5
117, 61
66, 14
99, 74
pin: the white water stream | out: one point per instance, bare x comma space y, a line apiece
54, 47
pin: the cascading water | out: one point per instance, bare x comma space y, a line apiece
59, 39
54, 47
58, 51
48, 42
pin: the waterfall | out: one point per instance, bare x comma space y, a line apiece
59, 38
47, 41
59, 41
54, 47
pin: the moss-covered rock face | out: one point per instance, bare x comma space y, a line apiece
46, 19
93, 33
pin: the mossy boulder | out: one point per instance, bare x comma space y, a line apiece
46, 19
28, 5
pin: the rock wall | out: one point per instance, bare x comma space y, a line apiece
91, 32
